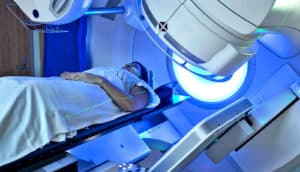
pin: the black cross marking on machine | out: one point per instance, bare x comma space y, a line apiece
163, 26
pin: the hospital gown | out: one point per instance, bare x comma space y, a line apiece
35, 111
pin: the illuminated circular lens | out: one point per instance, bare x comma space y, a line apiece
209, 91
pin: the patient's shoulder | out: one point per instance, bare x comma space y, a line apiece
137, 90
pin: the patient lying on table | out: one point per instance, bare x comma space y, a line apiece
136, 94
35, 111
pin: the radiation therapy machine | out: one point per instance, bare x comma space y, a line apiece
214, 41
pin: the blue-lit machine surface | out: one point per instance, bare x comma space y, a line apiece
241, 69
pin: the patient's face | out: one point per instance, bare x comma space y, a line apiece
133, 68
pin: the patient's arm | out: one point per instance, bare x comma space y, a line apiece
136, 99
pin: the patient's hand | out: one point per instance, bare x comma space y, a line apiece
85, 77
90, 78
68, 75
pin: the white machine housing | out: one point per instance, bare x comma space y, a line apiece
53, 11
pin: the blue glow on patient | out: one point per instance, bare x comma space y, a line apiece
206, 90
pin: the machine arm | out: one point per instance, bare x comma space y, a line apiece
217, 35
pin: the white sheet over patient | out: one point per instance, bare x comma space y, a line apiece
35, 111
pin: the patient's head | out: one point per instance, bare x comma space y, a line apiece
137, 69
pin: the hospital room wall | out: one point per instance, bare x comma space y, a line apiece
109, 42
283, 47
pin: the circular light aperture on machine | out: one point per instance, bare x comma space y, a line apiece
206, 90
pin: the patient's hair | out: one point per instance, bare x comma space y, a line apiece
144, 72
